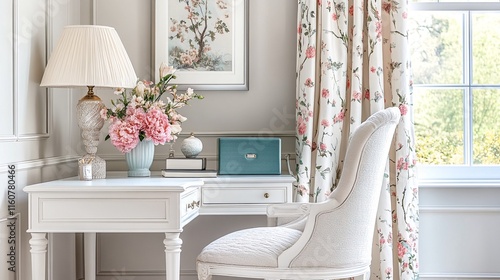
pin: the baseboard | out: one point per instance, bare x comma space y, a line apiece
148, 273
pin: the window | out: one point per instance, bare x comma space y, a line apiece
455, 48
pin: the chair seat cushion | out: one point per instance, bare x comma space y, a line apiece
253, 247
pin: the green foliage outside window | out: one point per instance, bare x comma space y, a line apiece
450, 113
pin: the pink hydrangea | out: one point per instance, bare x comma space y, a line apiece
136, 117
141, 115
157, 127
124, 135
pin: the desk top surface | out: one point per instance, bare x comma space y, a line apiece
119, 182
116, 184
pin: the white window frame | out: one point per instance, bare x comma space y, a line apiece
482, 173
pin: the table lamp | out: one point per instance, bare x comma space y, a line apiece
90, 56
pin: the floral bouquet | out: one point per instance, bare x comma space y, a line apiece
143, 115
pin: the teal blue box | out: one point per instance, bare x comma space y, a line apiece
249, 156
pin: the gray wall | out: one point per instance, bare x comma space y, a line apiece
267, 108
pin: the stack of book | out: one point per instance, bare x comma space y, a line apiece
187, 168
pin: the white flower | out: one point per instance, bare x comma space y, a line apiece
175, 128
178, 118
139, 99
190, 92
160, 104
181, 118
119, 91
118, 107
165, 70
139, 89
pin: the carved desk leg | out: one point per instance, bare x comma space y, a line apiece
38, 251
90, 255
172, 255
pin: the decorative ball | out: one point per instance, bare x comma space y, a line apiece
191, 146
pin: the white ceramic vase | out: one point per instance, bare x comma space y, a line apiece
140, 158
191, 146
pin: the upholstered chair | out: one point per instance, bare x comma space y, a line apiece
328, 240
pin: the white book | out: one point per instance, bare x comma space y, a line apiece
186, 163
186, 173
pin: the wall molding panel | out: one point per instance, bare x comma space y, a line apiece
8, 71
263, 133
32, 120
39, 163
116, 160
28, 30
457, 225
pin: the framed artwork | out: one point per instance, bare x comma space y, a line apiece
205, 40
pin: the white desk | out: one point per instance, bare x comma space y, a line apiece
153, 204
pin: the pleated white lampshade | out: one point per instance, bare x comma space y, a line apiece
89, 55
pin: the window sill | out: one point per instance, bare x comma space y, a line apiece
459, 183
458, 175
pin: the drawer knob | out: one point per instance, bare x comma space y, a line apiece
266, 195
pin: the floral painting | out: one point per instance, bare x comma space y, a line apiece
205, 40
200, 35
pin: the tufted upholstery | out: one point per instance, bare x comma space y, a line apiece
333, 239
252, 247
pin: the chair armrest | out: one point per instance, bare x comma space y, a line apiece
280, 214
287, 210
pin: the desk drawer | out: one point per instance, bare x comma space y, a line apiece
247, 195
190, 201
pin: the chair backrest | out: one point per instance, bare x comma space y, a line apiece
343, 230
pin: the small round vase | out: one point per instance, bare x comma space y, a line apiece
191, 146
140, 158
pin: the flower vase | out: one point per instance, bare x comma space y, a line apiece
140, 158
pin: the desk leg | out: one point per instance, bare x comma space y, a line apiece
172, 255
89, 243
38, 251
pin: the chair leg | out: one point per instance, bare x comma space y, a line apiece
203, 271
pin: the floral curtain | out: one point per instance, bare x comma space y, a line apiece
353, 60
